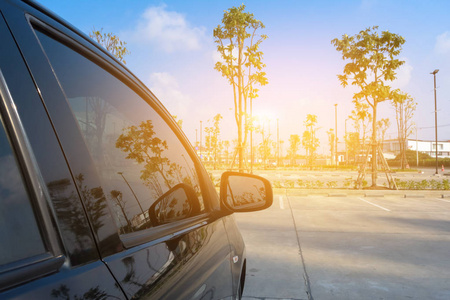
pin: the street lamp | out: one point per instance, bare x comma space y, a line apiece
435, 117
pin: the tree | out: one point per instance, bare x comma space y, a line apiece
309, 140
238, 45
372, 64
361, 120
111, 43
178, 121
226, 144
117, 198
383, 125
353, 145
143, 145
99, 107
215, 144
294, 145
331, 142
404, 111
264, 146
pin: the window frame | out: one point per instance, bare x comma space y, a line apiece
80, 44
32, 267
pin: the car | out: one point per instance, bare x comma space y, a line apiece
102, 195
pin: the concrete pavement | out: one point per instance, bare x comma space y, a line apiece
274, 268
353, 247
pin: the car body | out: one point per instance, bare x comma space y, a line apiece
102, 195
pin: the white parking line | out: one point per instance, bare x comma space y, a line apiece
442, 200
281, 202
383, 208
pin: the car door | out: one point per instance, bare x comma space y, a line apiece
150, 204
47, 249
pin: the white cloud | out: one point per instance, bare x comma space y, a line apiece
168, 30
443, 43
166, 88
403, 75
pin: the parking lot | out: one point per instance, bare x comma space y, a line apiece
349, 246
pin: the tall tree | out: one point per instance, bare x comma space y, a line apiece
372, 64
383, 125
294, 145
331, 143
404, 111
353, 145
361, 120
264, 146
309, 140
215, 143
238, 44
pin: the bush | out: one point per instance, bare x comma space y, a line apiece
331, 184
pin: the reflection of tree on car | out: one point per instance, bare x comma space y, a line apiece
145, 148
117, 198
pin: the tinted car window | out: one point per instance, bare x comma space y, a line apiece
147, 175
19, 234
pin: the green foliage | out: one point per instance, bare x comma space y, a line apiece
319, 184
423, 184
142, 145
309, 141
294, 145
411, 155
372, 63
277, 184
331, 184
348, 182
289, 184
446, 184
111, 43
242, 64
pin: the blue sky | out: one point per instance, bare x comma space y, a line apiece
173, 53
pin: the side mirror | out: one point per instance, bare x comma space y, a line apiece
178, 203
240, 192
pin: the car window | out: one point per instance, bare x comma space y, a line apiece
19, 233
146, 173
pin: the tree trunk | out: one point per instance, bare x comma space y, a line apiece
374, 145
241, 114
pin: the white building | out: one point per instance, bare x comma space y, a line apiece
428, 147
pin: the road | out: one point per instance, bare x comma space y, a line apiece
354, 247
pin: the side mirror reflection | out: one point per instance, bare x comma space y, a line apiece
240, 192
178, 203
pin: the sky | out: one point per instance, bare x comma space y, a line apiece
172, 51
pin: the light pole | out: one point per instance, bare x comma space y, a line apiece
435, 118
335, 135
